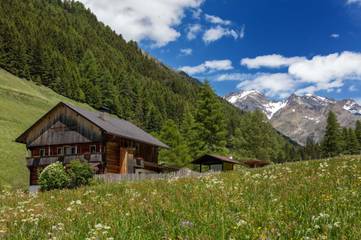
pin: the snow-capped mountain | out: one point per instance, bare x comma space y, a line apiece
298, 117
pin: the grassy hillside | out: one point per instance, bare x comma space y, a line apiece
305, 200
21, 103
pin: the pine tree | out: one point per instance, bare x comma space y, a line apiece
358, 131
331, 144
344, 141
178, 154
212, 128
353, 144
189, 132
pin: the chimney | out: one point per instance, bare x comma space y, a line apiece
103, 111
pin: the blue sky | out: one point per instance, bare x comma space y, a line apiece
275, 46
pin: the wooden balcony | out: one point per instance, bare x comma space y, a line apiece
46, 160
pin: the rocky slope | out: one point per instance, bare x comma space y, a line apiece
298, 117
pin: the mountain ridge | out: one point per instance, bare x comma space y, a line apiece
298, 116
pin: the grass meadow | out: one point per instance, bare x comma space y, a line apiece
305, 200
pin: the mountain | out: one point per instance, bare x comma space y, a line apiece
298, 117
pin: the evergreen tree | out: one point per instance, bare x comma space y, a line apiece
358, 131
178, 154
212, 128
189, 132
331, 144
311, 150
353, 144
344, 141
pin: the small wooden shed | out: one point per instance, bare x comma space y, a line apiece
215, 162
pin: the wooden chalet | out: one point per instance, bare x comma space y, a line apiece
109, 144
215, 162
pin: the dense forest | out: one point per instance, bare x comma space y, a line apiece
62, 45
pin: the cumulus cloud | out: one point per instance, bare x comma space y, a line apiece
208, 66
273, 85
217, 20
335, 35
143, 20
325, 69
186, 51
193, 30
270, 61
218, 32
328, 73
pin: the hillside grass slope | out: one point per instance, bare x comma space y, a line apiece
305, 200
22, 102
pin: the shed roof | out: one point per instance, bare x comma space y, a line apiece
111, 125
214, 159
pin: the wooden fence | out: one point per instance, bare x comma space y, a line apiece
113, 177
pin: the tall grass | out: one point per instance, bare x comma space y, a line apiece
306, 200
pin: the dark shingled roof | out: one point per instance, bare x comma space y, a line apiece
109, 124
213, 159
117, 126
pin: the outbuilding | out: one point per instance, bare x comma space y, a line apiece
215, 162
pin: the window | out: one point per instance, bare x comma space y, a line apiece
71, 150
42, 152
60, 151
74, 150
93, 148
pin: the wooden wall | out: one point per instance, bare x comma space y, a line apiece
117, 151
71, 119
112, 153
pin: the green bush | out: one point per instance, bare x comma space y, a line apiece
80, 173
54, 176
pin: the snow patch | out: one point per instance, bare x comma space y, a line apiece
235, 98
321, 100
352, 107
273, 107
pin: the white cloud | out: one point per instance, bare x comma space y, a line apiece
353, 1
208, 66
328, 73
218, 32
138, 20
237, 76
193, 30
358, 100
335, 35
216, 20
273, 85
270, 61
186, 51
326, 69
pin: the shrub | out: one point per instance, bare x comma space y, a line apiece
80, 173
54, 177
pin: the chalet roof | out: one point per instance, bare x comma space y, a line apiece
117, 126
109, 124
214, 159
